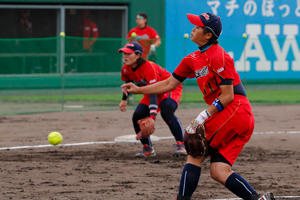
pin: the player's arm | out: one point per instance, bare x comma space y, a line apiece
223, 100
156, 41
158, 88
123, 102
226, 96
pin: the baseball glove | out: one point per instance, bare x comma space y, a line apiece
195, 143
146, 126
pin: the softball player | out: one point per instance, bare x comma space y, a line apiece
145, 35
143, 72
228, 120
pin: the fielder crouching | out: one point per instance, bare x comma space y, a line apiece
228, 120
143, 72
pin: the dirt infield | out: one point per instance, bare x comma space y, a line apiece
270, 162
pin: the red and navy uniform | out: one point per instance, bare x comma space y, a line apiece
229, 130
145, 36
146, 74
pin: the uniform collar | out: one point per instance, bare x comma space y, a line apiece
143, 27
205, 47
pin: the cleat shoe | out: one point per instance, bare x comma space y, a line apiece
267, 196
180, 151
147, 152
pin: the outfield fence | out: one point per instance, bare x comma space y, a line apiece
55, 74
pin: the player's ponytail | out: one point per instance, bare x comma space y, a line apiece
140, 61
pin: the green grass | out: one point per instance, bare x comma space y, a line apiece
256, 96
273, 96
42, 101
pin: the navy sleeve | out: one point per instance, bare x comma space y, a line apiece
179, 78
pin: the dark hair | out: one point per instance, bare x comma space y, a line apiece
213, 39
144, 15
140, 61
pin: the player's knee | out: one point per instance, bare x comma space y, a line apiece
165, 114
220, 172
167, 110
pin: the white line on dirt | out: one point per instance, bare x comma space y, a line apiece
129, 138
276, 197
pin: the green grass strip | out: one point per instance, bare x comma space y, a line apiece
257, 96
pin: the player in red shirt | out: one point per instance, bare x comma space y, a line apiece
228, 120
87, 29
145, 35
143, 72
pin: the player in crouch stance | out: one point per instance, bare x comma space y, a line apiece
228, 121
143, 72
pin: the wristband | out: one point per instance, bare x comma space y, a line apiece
153, 117
153, 114
202, 117
218, 104
124, 97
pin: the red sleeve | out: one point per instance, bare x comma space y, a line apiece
150, 73
129, 33
224, 66
95, 30
154, 34
184, 69
124, 72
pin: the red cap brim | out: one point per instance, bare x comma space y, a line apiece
195, 19
126, 50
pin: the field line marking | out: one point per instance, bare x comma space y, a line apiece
70, 144
275, 132
276, 197
130, 140
60, 145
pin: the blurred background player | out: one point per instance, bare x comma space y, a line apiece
87, 29
146, 36
142, 72
228, 119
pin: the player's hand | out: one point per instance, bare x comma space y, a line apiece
152, 48
200, 119
123, 105
129, 88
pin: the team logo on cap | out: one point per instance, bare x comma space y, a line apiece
206, 16
130, 45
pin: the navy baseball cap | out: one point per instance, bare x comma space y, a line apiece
208, 20
132, 47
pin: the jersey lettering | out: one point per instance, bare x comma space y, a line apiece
201, 72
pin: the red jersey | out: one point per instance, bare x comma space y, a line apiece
229, 130
145, 36
209, 68
90, 30
147, 74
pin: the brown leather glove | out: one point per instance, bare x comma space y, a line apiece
146, 126
195, 143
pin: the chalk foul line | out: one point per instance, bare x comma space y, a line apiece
127, 138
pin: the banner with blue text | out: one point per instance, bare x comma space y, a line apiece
261, 35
